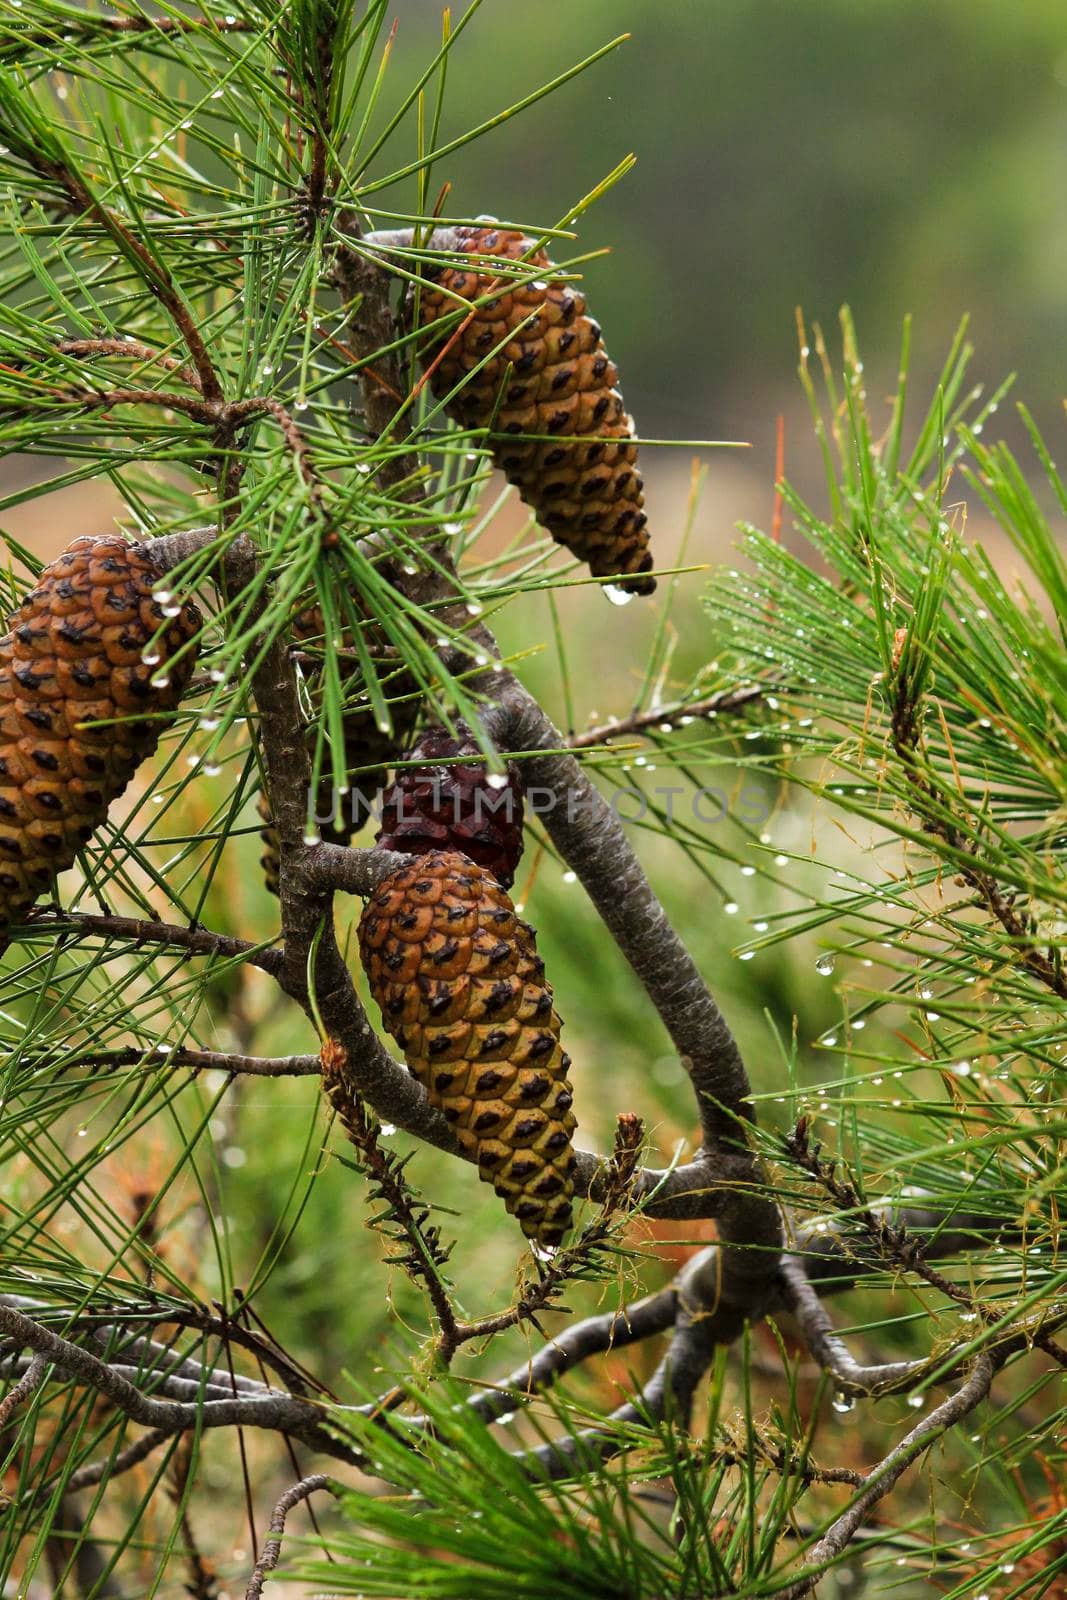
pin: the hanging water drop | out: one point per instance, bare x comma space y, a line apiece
824, 966
617, 595
843, 1402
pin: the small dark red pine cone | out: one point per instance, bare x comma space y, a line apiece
536, 364
448, 803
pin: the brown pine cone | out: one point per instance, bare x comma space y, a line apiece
365, 746
462, 990
551, 376
76, 654
452, 804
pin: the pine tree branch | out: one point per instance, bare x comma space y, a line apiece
198, 941
154, 273
198, 1060
130, 350
282, 1413
614, 1330
935, 813
880, 1480
702, 1322
665, 718
113, 1466
100, 28
272, 1547
28, 1384
592, 841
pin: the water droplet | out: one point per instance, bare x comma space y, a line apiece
843, 1402
497, 780
916, 1401
859, 1025
216, 676
824, 966
82, 1133
617, 595
760, 927
163, 596
473, 608
933, 1016
748, 872
542, 1252
208, 724
158, 799
160, 681
212, 769
829, 1039
387, 1129
962, 1069
193, 760
570, 877
731, 908
151, 658
312, 836
300, 405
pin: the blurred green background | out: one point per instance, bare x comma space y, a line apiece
895, 154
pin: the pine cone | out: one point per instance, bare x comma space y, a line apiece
462, 990
560, 381
454, 805
75, 654
365, 746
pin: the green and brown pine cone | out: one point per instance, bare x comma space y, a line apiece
462, 990
551, 376
77, 653
365, 746
452, 804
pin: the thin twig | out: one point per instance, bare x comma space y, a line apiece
156, 1056
666, 718
881, 1478
272, 1547
31, 1380
198, 941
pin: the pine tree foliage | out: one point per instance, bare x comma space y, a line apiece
204, 304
